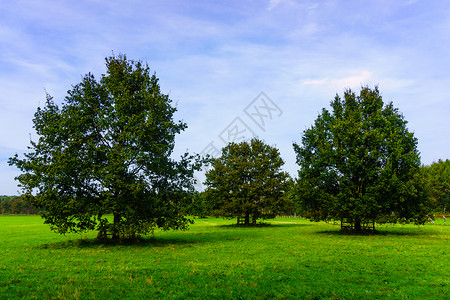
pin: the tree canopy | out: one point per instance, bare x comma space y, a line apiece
105, 151
437, 176
247, 181
360, 164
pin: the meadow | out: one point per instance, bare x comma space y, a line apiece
286, 259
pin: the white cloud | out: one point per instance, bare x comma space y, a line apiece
355, 80
8, 186
273, 4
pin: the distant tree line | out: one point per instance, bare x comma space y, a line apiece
15, 205
437, 179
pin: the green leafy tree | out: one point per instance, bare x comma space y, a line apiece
289, 199
246, 181
360, 164
198, 205
15, 205
106, 151
437, 176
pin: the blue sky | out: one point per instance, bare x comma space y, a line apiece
214, 58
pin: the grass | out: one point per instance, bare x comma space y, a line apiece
291, 258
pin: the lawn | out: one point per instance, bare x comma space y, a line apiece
289, 258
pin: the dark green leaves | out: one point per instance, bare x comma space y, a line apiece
107, 150
247, 181
359, 162
437, 177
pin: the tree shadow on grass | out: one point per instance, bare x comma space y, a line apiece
384, 232
95, 243
146, 241
264, 225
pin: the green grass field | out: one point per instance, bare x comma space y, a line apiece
291, 258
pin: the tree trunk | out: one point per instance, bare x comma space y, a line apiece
116, 233
247, 219
102, 234
357, 227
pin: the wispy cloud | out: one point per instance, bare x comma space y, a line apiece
358, 78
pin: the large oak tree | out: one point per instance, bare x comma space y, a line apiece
106, 151
247, 181
359, 163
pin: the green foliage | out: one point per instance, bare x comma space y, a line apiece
198, 205
360, 163
15, 205
247, 181
289, 259
437, 176
106, 151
